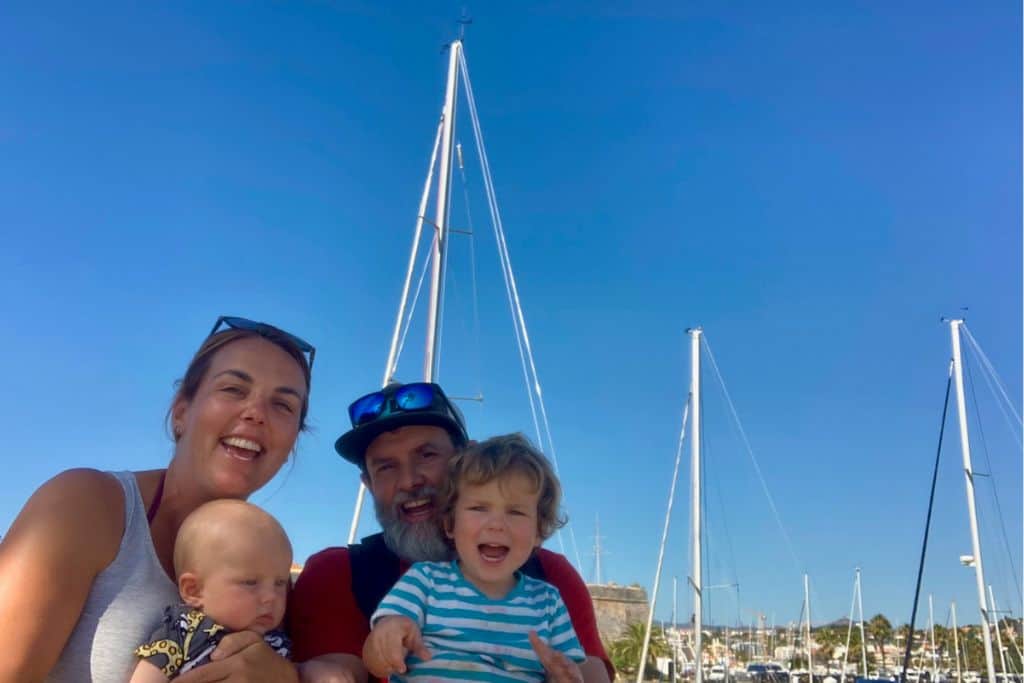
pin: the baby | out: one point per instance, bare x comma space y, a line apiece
233, 563
475, 617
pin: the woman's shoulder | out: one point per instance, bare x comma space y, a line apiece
76, 507
86, 491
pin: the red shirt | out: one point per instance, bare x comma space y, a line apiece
323, 616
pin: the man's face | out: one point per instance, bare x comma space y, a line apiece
404, 470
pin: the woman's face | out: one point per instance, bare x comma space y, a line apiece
239, 428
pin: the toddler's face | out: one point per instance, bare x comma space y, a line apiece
495, 530
245, 589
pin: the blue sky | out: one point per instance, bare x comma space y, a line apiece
815, 186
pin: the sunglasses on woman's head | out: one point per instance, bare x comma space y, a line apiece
266, 331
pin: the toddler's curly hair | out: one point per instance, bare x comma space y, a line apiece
482, 462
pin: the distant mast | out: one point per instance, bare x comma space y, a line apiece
695, 580
965, 449
807, 602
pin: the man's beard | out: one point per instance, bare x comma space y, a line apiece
414, 542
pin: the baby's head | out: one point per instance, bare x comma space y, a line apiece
500, 501
233, 561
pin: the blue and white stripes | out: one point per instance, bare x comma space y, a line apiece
472, 637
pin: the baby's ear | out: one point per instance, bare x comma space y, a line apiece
190, 588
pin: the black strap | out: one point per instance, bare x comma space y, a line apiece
155, 505
375, 569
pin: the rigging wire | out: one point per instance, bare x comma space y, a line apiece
927, 527
992, 478
472, 271
664, 533
716, 483
495, 219
442, 288
753, 458
412, 309
996, 384
526, 352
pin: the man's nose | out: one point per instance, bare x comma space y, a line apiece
410, 478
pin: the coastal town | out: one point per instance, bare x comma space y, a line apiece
764, 653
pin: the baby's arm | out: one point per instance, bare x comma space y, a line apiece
392, 638
146, 672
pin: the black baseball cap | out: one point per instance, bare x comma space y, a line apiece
398, 405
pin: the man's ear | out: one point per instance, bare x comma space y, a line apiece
365, 478
190, 588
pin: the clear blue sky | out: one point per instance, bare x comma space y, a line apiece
813, 185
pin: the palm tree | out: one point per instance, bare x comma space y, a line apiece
625, 652
879, 630
853, 655
827, 639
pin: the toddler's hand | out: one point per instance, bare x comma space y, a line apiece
392, 638
559, 668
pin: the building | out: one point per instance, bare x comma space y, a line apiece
616, 607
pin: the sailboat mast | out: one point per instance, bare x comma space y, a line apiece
695, 405
849, 627
995, 623
863, 642
931, 632
965, 449
441, 215
675, 631
807, 601
956, 642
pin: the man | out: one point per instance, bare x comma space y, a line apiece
401, 439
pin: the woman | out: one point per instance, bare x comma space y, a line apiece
86, 568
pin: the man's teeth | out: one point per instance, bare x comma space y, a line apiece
246, 444
414, 505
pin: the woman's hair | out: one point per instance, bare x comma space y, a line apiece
188, 385
482, 462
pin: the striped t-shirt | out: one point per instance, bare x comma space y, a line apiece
473, 637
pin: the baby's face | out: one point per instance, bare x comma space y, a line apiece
245, 588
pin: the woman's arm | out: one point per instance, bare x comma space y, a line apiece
68, 532
243, 657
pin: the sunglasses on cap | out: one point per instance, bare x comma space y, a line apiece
403, 398
264, 330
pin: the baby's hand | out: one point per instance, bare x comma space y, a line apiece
392, 638
319, 671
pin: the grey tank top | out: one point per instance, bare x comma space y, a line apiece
124, 607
